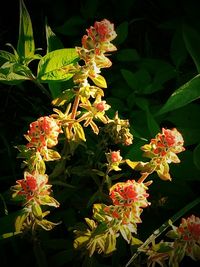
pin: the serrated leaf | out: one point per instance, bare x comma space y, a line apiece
187, 93
57, 65
99, 80
25, 45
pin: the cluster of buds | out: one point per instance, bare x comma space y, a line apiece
162, 151
114, 159
119, 131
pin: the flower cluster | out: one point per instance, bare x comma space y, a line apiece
96, 43
122, 217
162, 150
35, 192
34, 188
43, 134
186, 242
128, 193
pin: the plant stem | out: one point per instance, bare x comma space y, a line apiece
74, 109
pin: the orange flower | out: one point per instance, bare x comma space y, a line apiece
168, 140
34, 188
189, 229
129, 192
43, 133
105, 30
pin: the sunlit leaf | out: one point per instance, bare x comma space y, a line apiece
8, 56
99, 80
26, 45
57, 65
65, 97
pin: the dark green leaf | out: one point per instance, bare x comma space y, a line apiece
192, 43
178, 50
128, 55
187, 93
138, 80
53, 42
196, 156
71, 26
122, 33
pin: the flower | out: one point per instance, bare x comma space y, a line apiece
129, 193
114, 159
35, 189
43, 133
168, 140
105, 30
189, 229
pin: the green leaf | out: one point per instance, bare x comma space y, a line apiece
12, 78
57, 65
65, 97
37, 211
71, 26
192, 43
53, 42
8, 235
128, 55
25, 45
137, 80
187, 93
122, 32
196, 156
178, 51
99, 80
8, 56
